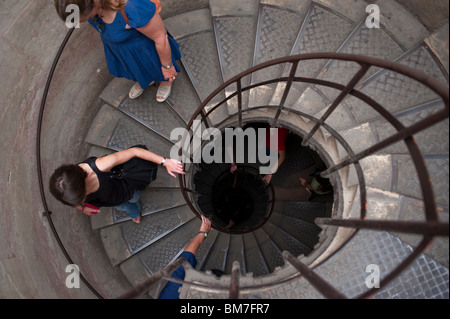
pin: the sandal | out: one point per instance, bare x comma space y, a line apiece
163, 93
136, 90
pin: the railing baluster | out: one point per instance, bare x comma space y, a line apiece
145, 286
423, 228
286, 92
234, 285
239, 89
350, 86
318, 282
402, 135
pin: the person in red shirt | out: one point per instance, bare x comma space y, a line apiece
280, 149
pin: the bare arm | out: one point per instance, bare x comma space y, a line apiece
280, 160
106, 163
196, 242
156, 31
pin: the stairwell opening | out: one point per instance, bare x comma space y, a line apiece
240, 201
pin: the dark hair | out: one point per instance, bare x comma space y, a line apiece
68, 185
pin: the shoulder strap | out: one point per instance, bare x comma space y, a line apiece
91, 162
124, 15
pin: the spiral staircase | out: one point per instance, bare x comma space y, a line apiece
217, 44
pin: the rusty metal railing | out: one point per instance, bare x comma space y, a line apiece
429, 229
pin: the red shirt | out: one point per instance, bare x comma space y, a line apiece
282, 136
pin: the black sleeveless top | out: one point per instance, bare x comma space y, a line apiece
111, 192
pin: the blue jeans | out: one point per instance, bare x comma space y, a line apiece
132, 208
171, 289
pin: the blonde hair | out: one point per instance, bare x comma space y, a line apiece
115, 5
86, 6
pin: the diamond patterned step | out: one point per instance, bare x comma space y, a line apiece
278, 28
184, 98
195, 34
158, 117
383, 250
397, 174
217, 257
438, 42
259, 253
283, 235
270, 251
254, 260
346, 271
235, 24
236, 253
305, 232
115, 131
431, 140
125, 240
160, 254
396, 92
322, 31
382, 204
152, 201
363, 41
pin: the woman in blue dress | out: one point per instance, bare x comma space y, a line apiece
136, 43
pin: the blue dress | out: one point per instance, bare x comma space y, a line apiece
129, 53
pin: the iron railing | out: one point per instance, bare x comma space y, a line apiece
431, 228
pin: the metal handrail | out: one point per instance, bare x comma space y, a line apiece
47, 212
431, 227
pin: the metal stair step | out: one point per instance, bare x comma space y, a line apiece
158, 255
230, 37
395, 92
194, 33
184, 98
153, 200
363, 41
235, 24
438, 42
306, 211
236, 253
158, 117
322, 31
217, 258
385, 251
278, 27
305, 232
269, 250
114, 131
285, 237
125, 240
254, 260
430, 141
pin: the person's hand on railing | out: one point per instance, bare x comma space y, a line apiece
206, 225
174, 167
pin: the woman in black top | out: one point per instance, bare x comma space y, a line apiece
77, 185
